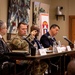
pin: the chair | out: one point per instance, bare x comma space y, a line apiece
9, 67
6, 67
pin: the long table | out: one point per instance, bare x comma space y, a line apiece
18, 55
52, 55
38, 58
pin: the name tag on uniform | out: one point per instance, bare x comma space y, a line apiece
42, 51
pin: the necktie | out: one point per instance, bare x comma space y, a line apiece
6, 45
38, 43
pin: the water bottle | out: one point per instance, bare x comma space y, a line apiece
54, 47
59, 44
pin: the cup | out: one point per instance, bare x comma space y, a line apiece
33, 51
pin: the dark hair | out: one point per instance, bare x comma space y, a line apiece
1, 23
20, 24
35, 27
54, 25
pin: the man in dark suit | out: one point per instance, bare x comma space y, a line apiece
48, 38
3, 45
5, 49
47, 41
4, 60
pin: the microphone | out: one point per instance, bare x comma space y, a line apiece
33, 49
31, 45
69, 42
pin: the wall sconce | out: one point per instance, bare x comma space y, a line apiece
59, 12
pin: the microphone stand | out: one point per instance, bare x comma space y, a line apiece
69, 42
71, 45
31, 46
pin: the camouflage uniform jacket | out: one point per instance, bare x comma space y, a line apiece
17, 43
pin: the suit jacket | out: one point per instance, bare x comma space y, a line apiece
3, 47
47, 41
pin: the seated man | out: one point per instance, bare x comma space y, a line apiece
19, 43
3, 45
48, 38
47, 41
71, 68
4, 60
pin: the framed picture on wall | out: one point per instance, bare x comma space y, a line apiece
18, 11
40, 14
39, 7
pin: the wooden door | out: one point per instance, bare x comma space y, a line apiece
72, 28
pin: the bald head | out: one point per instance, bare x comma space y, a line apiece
71, 68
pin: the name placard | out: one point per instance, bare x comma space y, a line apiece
61, 49
42, 51
68, 48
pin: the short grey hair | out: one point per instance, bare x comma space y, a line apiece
1, 23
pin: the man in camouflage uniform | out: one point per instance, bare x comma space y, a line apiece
17, 42
20, 44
